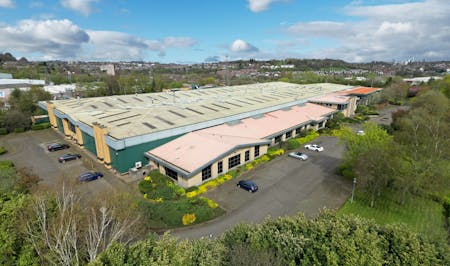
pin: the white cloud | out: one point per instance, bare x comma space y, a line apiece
82, 6
383, 32
319, 28
112, 45
61, 39
6, 3
260, 5
240, 46
54, 38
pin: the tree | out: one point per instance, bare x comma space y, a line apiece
369, 157
63, 232
15, 119
396, 91
423, 134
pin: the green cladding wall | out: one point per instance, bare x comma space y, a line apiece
123, 160
89, 143
60, 124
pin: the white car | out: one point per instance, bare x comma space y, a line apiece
360, 133
298, 155
314, 147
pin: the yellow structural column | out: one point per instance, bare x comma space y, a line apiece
100, 133
51, 115
79, 136
66, 127
98, 141
106, 155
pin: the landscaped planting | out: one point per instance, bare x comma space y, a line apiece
164, 204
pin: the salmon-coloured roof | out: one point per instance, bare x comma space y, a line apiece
196, 149
273, 122
361, 91
335, 98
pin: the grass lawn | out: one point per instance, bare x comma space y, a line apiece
420, 214
164, 204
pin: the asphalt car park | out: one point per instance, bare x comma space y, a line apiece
30, 150
286, 186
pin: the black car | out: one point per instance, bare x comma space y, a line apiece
248, 185
68, 157
57, 147
90, 176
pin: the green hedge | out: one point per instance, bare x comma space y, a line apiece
19, 130
3, 131
40, 126
2, 150
6, 164
292, 144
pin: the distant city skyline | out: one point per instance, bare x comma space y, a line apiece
176, 31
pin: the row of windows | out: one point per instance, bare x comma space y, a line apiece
232, 162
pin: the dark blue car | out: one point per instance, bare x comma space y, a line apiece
248, 185
89, 176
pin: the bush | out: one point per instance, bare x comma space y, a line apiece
311, 135
2, 150
190, 189
145, 186
19, 130
274, 152
188, 218
446, 205
6, 164
261, 159
292, 144
3, 131
40, 126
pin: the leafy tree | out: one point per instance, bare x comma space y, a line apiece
423, 134
336, 121
369, 156
15, 119
396, 91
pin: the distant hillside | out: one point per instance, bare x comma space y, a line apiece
6, 57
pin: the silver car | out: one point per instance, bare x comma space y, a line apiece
298, 155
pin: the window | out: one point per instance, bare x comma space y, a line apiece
321, 124
247, 155
206, 172
71, 126
171, 173
298, 130
342, 107
277, 139
219, 167
234, 161
256, 151
288, 134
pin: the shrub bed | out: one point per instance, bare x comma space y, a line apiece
40, 126
2, 150
19, 130
3, 131
165, 203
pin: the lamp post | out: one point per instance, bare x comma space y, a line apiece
353, 190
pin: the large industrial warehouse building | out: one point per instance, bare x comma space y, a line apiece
196, 135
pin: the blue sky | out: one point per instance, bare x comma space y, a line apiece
210, 30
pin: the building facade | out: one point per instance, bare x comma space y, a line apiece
121, 130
